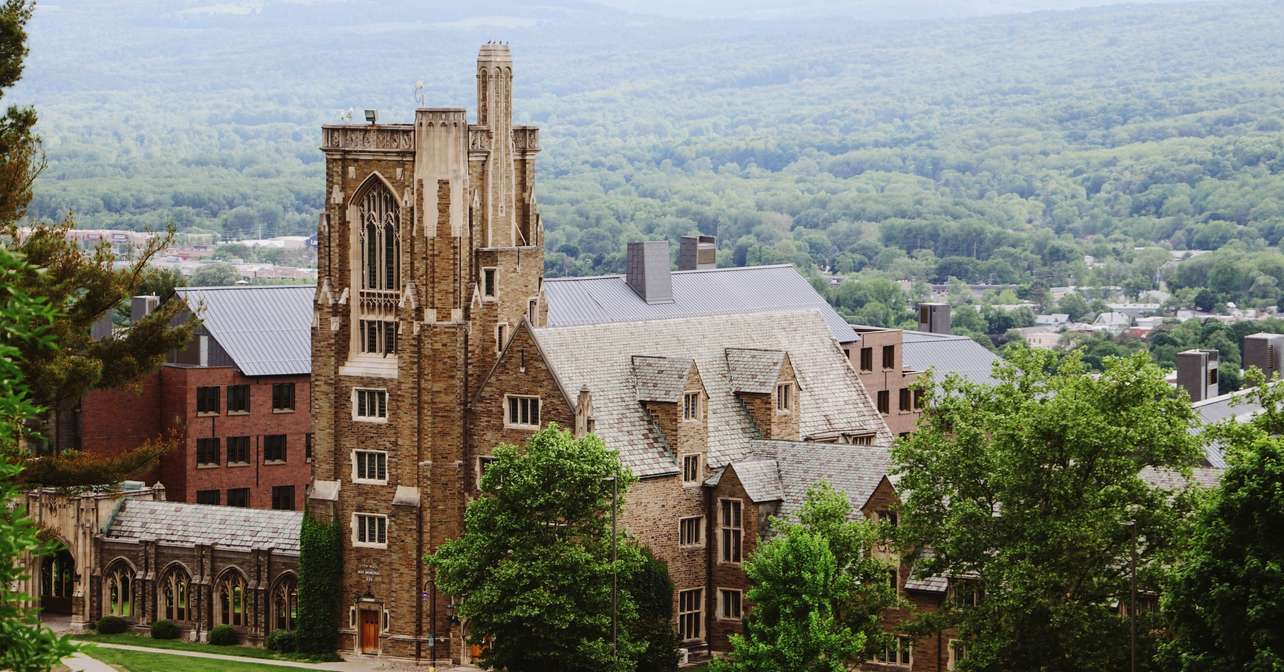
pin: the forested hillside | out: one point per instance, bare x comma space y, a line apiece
995, 149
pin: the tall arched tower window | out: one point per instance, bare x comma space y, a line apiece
378, 237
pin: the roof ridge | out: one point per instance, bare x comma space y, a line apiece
687, 318
609, 276
211, 288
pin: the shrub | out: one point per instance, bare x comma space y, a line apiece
112, 625
165, 629
224, 635
285, 641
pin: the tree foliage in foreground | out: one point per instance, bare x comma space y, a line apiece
817, 590
25, 646
1028, 486
1225, 604
533, 569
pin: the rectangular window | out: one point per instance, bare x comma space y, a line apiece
488, 283
894, 579
238, 398
483, 463
904, 400
866, 359
918, 399
884, 402
274, 448
899, 652
207, 497
283, 396
523, 412
207, 400
784, 397
370, 466
889, 516
283, 497
378, 337
889, 356
965, 592
957, 654
690, 606
501, 337
691, 406
369, 404
691, 468
307, 446
732, 533
690, 531
729, 604
1212, 376
369, 529
530, 311
207, 451
238, 497
238, 450
858, 439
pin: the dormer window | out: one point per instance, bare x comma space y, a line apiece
691, 406
784, 397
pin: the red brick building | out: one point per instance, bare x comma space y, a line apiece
237, 400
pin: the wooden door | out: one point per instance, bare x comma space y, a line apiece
369, 631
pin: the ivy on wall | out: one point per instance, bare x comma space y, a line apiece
320, 571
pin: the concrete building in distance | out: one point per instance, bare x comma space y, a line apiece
236, 399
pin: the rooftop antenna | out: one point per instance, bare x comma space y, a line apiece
421, 96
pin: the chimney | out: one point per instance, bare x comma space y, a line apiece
142, 306
934, 318
1197, 372
584, 412
1266, 352
647, 271
696, 253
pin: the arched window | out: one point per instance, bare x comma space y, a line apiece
285, 603
118, 590
176, 586
229, 598
380, 242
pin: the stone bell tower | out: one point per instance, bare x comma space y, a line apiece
430, 253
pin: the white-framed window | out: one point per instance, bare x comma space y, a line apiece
387, 620
691, 468
690, 610
369, 466
352, 617
957, 654
784, 397
899, 651
489, 284
521, 412
370, 529
483, 463
531, 307
691, 531
729, 604
370, 404
691, 406
501, 336
378, 337
965, 592
731, 532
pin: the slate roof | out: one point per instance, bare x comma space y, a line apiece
660, 378
266, 330
189, 524
753, 370
717, 291
600, 356
853, 470
760, 479
1168, 479
948, 353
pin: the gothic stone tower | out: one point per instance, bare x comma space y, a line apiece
430, 254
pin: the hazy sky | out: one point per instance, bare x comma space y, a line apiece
869, 9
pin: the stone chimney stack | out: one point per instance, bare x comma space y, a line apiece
1266, 352
1197, 372
647, 271
495, 112
934, 317
584, 412
696, 253
142, 306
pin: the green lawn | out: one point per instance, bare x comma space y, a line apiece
138, 661
183, 645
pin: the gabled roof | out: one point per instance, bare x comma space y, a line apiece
265, 329
760, 480
660, 378
831, 397
754, 370
717, 291
190, 524
853, 470
948, 353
